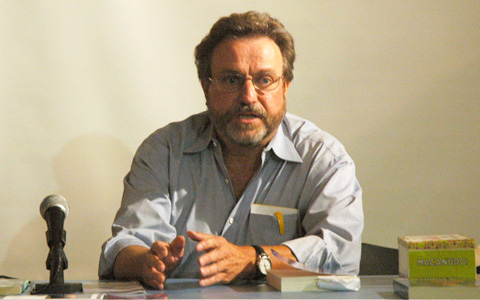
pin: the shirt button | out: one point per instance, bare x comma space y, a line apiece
231, 220
226, 181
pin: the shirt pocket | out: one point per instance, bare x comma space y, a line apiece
272, 225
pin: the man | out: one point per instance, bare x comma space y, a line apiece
213, 195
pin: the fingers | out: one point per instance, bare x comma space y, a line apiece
154, 262
198, 236
212, 264
214, 255
212, 244
160, 249
217, 278
206, 242
222, 262
178, 246
153, 271
155, 283
221, 270
217, 272
161, 259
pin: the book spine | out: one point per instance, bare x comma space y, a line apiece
450, 263
441, 244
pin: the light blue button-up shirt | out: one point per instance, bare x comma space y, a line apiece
178, 182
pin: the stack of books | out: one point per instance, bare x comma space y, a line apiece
297, 280
437, 266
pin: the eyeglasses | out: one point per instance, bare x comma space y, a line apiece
234, 82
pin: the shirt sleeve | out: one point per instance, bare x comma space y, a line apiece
332, 220
145, 211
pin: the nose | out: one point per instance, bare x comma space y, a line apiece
248, 92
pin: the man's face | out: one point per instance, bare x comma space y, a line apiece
247, 116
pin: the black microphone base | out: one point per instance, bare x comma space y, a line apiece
57, 288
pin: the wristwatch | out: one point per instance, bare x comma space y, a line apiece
263, 262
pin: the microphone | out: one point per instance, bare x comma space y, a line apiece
53, 201
54, 209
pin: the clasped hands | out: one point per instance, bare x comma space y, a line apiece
222, 261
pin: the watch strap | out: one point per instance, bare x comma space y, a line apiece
259, 250
261, 254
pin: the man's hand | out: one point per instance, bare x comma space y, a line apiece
161, 260
223, 262
152, 266
169, 254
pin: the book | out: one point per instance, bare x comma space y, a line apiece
13, 286
437, 288
437, 256
113, 287
297, 280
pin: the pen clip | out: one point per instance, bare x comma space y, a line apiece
281, 224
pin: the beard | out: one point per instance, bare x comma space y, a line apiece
246, 135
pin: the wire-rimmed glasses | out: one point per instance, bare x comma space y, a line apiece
234, 82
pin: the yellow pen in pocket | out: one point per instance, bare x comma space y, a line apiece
281, 225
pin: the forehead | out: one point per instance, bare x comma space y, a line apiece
247, 55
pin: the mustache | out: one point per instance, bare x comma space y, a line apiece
258, 110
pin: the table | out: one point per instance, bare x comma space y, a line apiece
372, 287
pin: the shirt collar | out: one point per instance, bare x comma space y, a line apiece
281, 143
204, 137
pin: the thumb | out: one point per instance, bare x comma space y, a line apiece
178, 246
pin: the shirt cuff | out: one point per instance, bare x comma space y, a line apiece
110, 250
312, 251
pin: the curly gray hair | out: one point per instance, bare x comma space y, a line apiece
247, 24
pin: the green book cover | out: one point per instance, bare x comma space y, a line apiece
453, 263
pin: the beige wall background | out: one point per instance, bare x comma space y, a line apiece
82, 83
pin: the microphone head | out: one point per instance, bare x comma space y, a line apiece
54, 201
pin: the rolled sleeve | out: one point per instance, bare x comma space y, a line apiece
110, 250
144, 215
333, 222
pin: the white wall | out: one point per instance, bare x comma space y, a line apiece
82, 83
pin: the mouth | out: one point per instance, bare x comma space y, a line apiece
248, 115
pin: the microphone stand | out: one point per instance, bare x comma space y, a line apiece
56, 263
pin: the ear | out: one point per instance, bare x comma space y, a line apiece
286, 86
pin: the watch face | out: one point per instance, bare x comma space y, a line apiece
264, 264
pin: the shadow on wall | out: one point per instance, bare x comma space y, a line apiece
89, 172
